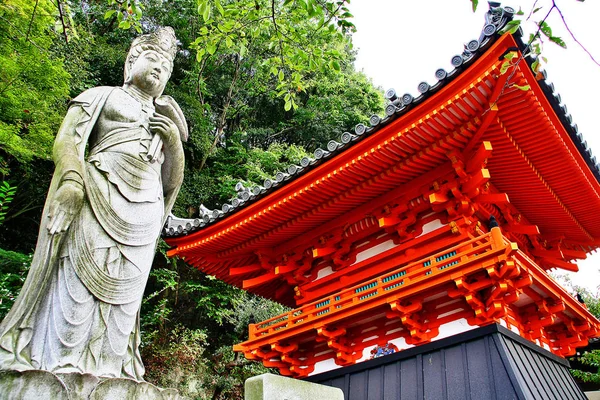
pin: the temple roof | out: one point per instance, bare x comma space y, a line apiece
540, 166
398, 106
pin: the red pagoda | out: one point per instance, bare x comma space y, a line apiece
443, 216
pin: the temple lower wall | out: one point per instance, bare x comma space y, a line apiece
483, 363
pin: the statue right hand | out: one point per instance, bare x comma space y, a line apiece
65, 205
164, 127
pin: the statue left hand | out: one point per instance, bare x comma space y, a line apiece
66, 203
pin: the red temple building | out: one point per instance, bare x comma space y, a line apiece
443, 216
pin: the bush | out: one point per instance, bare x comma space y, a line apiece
13, 271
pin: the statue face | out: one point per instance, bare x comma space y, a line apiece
150, 72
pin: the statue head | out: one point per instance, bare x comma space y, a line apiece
150, 61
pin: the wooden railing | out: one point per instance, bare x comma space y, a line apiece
385, 286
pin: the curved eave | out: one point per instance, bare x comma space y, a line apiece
387, 131
535, 161
550, 177
496, 18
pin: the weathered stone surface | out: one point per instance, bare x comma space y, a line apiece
79, 386
275, 387
44, 385
119, 166
31, 385
126, 389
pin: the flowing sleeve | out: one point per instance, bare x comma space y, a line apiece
173, 166
71, 140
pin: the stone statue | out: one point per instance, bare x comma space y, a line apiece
79, 308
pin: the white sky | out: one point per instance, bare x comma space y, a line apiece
401, 43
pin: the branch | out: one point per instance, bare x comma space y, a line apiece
31, 20
572, 35
62, 21
277, 32
532, 10
521, 58
331, 16
198, 89
222, 119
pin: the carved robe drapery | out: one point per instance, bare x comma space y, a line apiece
84, 288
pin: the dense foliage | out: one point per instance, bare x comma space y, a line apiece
586, 365
274, 84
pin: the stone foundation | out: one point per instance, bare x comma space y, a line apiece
37, 384
275, 387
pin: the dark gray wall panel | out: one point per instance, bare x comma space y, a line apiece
408, 379
506, 389
358, 386
391, 381
477, 367
434, 381
375, 382
457, 387
489, 363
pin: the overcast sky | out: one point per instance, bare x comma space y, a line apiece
401, 43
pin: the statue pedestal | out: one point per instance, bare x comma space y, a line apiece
275, 387
37, 384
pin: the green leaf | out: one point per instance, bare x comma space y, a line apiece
219, 7
206, 14
474, 4
535, 66
228, 42
288, 105
201, 6
200, 54
520, 12
510, 55
125, 24
335, 65
243, 50
211, 48
523, 88
310, 8
204, 10
505, 66
109, 14
545, 28
281, 76
558, 41
511, 27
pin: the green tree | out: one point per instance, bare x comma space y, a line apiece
587, 364
13, 270
33, 82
